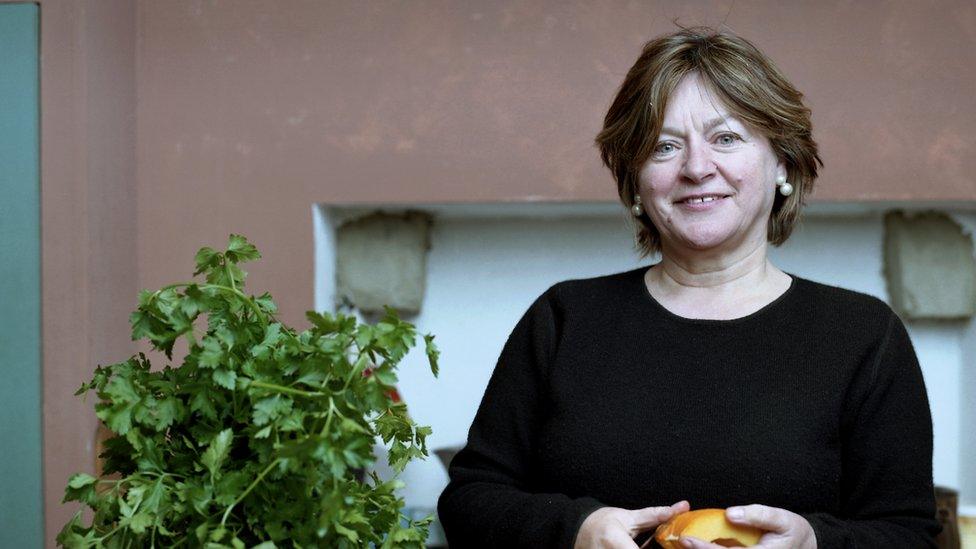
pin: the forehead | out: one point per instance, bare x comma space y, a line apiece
693, 97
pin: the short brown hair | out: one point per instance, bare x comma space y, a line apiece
751, 87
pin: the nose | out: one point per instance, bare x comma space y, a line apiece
698, 165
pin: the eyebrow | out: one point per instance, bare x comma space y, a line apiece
708, 125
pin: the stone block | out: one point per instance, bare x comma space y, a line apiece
381, 259
929, 266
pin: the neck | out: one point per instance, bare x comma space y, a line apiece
748, 269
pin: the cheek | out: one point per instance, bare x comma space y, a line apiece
752, 181
654, 188
660, 215
656, 179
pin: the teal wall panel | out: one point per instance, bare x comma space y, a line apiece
21, 507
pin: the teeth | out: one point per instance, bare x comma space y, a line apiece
702, 199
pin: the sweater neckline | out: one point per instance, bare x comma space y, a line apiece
765, 309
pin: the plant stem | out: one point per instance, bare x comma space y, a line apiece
249, 488
328, 419
247, 300
229, 276
112, 531
356, 367
288, 390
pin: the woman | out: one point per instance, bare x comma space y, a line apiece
711, 378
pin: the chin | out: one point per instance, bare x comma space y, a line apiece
706, 240
710, 236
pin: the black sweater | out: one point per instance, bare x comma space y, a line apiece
602, 397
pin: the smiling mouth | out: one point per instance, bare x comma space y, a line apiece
703, 199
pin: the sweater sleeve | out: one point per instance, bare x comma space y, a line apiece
490, 501
887, 493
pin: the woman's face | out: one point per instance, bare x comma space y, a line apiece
705, 151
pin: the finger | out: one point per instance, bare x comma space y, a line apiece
694, 543
768, 518
681, 506
648, 517
620, 540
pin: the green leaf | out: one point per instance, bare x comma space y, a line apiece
230, 486
168, 411
406, 534
400, 454
151, 457
266, 303
81, 487
315, 377
212, 354
217, 452
117, 417
385, 375
217, 534
272, 336
350, 425
226, 337
364, 335
240, 250
75, 536
145, 325
433, 353
206, 259
199, 495
324, 322
80, 480
225, 378
138, 522
126, 508
194, 301
394, 423
155, 496
351, 535
269, 409
203, 404
158, 414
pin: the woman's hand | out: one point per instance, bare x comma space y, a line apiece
616, 528
785, 529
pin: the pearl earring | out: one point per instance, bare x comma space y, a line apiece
785, 188
637, 209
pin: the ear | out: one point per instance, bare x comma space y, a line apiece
781, 170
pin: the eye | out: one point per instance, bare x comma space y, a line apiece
664, 148
727, 138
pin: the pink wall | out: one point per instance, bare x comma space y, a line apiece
251, 111
168, 125
88, 229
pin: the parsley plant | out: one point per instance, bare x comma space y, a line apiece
261, 437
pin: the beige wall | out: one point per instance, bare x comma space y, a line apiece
168, 125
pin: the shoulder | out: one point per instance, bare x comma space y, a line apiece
842, 315
603, 289
835, 300
592, 303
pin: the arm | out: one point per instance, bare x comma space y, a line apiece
887, 494
489, 501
